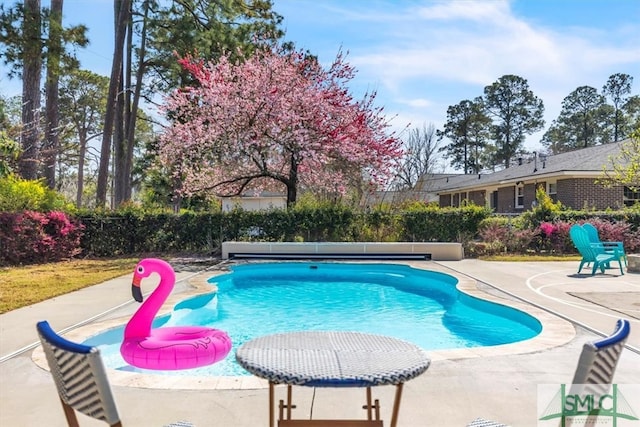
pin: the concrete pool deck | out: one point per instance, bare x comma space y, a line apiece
497, 383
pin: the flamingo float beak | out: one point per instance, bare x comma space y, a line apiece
136, 292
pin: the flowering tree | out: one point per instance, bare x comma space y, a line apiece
277, 120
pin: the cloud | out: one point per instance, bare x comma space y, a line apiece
426, 55
416, 102
440, 53
434, 43
487, 12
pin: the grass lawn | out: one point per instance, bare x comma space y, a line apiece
26, 285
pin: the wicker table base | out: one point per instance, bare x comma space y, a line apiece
332, 359
372, 408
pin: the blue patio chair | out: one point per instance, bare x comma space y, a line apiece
592, 232
80, 379
596, 366
593, 252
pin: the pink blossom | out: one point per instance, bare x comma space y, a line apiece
547, 228
275, 121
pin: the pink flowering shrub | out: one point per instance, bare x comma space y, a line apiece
617, 232
554, 237
520, 240
499, 236
547, 229
34, 237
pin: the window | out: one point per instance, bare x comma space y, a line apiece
520, 196
630, 196
458, 199
552, 191
494, 200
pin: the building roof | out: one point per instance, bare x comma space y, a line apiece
587, 162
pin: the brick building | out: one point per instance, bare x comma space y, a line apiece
570, 178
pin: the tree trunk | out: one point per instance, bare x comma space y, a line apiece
121, 123
466, 154
292, 183
118, 143
292, 195
32, 67
52, 140
123, 15
133, 112
507, 150
82, 153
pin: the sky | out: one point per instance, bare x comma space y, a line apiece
422, 56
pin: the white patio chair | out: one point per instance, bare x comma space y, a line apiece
80, 379
596, 365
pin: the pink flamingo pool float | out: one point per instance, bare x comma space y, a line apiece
169, 348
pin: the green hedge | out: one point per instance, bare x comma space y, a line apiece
442, 225
108, 234
132, 232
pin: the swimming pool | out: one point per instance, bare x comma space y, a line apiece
420, 306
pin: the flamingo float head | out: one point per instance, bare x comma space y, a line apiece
144, 269
139, 273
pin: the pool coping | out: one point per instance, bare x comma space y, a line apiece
436, 251
555, 332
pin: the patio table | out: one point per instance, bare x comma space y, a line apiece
332, 359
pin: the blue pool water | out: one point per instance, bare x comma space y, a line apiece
420, 306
